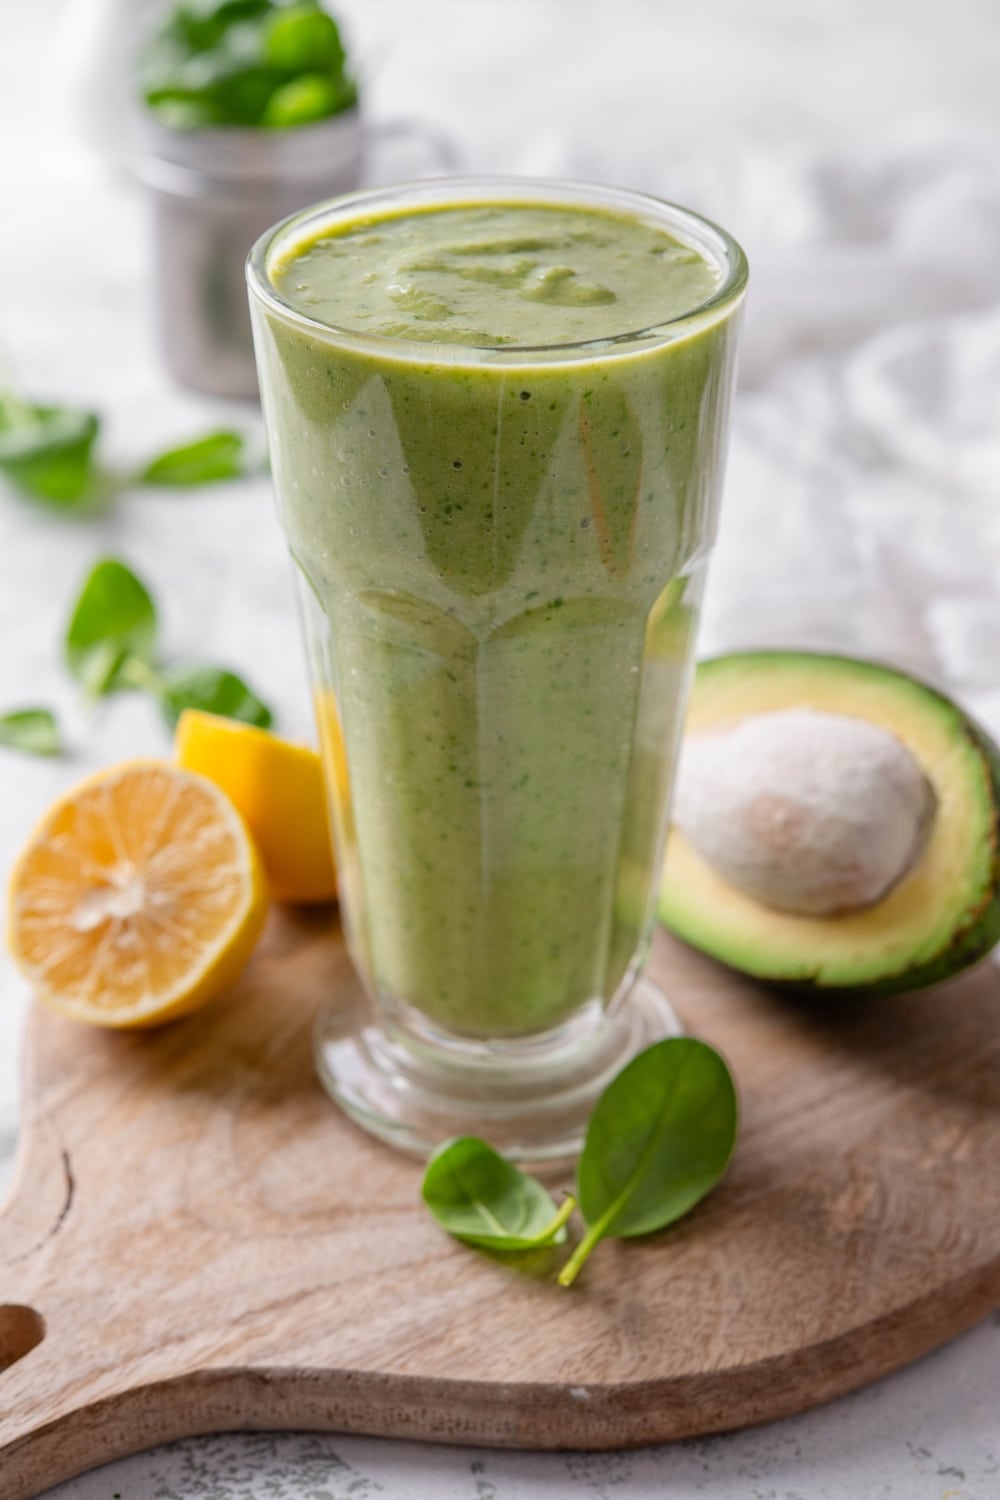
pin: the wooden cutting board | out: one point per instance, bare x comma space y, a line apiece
198, 1241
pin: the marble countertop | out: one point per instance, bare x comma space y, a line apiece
825, 137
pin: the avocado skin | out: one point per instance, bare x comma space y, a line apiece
970, 942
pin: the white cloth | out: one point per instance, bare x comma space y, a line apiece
862, 505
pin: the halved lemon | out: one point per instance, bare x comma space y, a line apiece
278, 788
139, 897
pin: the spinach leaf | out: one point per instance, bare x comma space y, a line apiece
483, 1199
217, 455
304, 99
245, 62
178, 112
659, 1139
113, 625
110, 646
46, 450
303, 38
212, 689
203, 23
33, 730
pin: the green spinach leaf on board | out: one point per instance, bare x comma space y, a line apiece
480, 1197
660, 1138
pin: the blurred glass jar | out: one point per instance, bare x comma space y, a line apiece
212, 191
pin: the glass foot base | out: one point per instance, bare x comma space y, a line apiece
531, 1099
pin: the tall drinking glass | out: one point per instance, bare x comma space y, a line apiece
500, 543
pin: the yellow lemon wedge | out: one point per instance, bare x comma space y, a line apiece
139, 897
278, 788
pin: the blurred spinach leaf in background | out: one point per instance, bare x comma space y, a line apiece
33, 730
113, 624
47, 450
214, 690
48, 453
111, 645
206, 460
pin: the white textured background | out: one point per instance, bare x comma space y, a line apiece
855, 148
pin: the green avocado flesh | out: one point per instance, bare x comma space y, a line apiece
943, 916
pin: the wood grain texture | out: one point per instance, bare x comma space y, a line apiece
213, 1247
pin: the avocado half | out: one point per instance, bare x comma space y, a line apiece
943, 916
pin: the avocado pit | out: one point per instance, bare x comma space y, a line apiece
806, 811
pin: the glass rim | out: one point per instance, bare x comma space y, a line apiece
437, 192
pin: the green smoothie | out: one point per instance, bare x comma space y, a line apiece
496, 438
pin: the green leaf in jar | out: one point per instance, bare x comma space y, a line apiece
179, 113
202, 24
305, 99
231, 80
244, 63
303, 38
